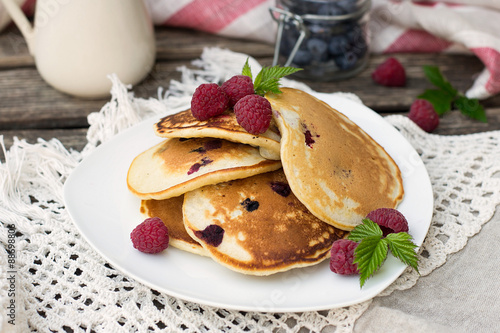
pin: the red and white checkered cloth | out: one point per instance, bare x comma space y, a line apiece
463, 26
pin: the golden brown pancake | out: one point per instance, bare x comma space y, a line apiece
170, 212
257, 226
176, 166
333, 167
225, 126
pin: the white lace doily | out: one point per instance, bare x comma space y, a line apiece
63, 285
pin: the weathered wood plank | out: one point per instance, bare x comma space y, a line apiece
455, 123
182, 44
13, 49
171, 43
27, 102
75, 138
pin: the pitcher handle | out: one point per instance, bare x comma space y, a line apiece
21, 21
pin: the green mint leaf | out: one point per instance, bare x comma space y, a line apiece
471, 108
440, 99
434, 75
444, 98
271, 85
369, 256
247, 70
268, 79
403, 248
366, 229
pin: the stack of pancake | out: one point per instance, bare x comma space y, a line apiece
268, 203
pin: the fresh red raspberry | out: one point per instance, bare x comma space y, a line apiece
424, 115
253, 113
342, 257
208, 101
237, 87
390, 73
151, 236
390, 220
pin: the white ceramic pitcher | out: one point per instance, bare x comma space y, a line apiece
78, 43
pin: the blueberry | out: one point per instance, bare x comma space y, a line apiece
303, 7
318, 28
360, 47
250, 205
281, 188
330, 9
348, 6
338, 44
357, 40
302, 58
346, 60
212, 235
318, 49
288, 39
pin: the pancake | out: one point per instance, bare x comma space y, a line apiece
257, 226
333, 167
225, 126
170, 212
176, 166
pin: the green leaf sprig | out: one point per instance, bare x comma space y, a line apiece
372, 249
267, 80
446, 97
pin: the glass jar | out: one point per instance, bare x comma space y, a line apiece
328, 39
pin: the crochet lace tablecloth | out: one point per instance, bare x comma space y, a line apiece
61, 284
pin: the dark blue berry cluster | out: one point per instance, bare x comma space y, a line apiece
335, 37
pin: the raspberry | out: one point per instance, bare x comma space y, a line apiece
390, 73
342, 257
423, 114
237, 87
208, 101
253, 113
390, 220
151, 236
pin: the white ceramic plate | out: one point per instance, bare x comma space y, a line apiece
105, 212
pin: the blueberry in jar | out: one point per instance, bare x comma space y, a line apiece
288, 38
348, 6
318, 49
302, 58
357, 40
346, 60
330, 9
338, 44
334, 46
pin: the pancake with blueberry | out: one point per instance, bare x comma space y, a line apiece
177, 165
333, 167
170, 212
224, 126
257, 226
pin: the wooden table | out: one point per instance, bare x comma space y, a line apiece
30, 109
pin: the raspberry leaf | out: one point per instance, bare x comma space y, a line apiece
403, 248
366, 229
471, 108
247, 70
372, 249
440, 100
271, 85
369, 256
434, 75
268, 78
446, 97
